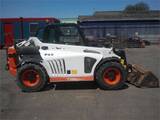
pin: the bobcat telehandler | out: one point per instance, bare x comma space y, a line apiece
60, 53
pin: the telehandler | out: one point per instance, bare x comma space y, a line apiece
60, 53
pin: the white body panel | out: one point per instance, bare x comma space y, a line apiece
58, 58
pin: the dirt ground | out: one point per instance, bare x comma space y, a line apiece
84, 101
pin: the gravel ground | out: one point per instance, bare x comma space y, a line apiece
83, 101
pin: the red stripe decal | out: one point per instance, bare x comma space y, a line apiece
65, 79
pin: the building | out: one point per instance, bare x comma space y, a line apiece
122, 25
16, 29
68, 20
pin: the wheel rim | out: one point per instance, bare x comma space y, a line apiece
112, 76
30, 78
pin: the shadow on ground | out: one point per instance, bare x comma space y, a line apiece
75, 86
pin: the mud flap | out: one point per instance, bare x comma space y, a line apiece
142, 78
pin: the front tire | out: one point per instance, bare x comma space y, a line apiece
111, 76
31, 78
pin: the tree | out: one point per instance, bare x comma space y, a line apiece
130, 9
141, 7
137, 8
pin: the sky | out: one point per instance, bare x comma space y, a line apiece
64, 8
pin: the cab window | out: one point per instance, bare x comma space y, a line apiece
49, 35
69, 35
62, 35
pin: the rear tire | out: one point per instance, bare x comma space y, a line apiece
31, 78
111, 76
